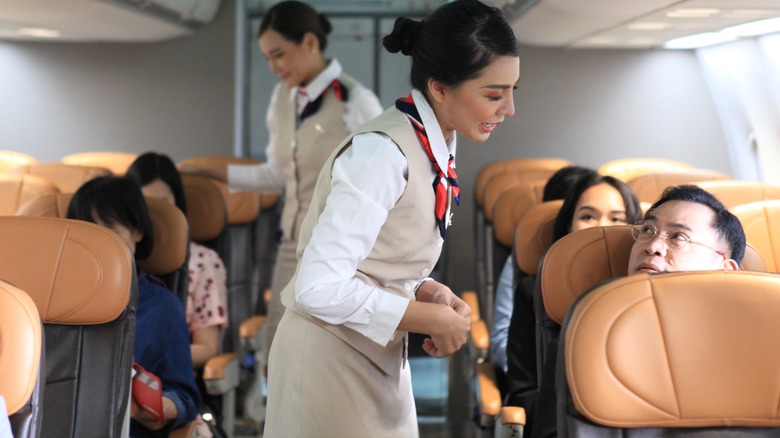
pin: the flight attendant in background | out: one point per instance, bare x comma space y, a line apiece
375, 230
314, 107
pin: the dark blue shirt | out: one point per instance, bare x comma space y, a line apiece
162, 347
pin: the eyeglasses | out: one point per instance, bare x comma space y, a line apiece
675, 239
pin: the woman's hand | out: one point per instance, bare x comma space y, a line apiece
450, 332
147, 420
432, 291
453, 325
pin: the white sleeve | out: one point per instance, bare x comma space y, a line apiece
368, 179
362, 106
267, 177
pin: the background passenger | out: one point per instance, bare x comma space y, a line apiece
206, 309
375, 230
314, 107
162, 341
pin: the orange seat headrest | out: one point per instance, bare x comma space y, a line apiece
734, 193
533, 235
512, 205
537, 168
18, 189
20, 346
761, 222
206, 210
649, 187
686, 349
580, 260
116, 162
76, 272
629, 168
68, 178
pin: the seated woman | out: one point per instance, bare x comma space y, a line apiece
157, 176
161, 338
592, 201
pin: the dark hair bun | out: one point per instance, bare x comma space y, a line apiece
325, 24
403, 36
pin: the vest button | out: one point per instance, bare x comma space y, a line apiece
408, 285
425, 272
439, 241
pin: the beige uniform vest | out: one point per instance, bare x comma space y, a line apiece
302, 150
406, 249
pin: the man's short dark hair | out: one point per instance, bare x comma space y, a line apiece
727, 225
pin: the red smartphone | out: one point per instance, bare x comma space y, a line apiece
147, 392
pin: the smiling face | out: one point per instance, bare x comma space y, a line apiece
477, 106
599, 206
695, 221
294, 63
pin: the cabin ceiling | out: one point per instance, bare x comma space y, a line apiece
553, 23
627, 23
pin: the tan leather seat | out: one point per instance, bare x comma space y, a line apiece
530, 169
82, 280
533, 168
628, 168
116, 162
68, 178
21, 342
512, 205
11, 159
733, 193
761, 222
682, 354
16, 190
648, 187
533, 235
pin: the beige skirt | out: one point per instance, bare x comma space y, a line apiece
319, 386
284, 269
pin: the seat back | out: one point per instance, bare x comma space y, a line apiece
682, 354
629, 168
169, 257
648, 187
16, 190
82, 279
761, 222
241, 206
68, 178
533, 235
733, 193
11, 159
533, 168
511, 207
170, 252
21, 344
116, 162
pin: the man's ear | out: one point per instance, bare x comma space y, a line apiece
436, 90
731, 265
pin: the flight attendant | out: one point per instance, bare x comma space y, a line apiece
375, 229
314, 107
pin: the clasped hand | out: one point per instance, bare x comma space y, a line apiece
452, 319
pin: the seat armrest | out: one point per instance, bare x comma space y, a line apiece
220, 373
249, 332
472, 300
488, 393
510, 422
480, 340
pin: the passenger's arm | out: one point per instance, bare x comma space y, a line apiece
205, 345
502, 315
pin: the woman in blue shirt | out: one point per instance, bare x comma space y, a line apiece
162, 340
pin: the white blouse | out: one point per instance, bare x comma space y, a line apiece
368, 180
268, 177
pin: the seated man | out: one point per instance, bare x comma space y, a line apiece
688, 229
696, 233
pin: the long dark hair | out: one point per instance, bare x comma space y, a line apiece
293, 19
151, 166
114, 200
566, 214
453, 44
